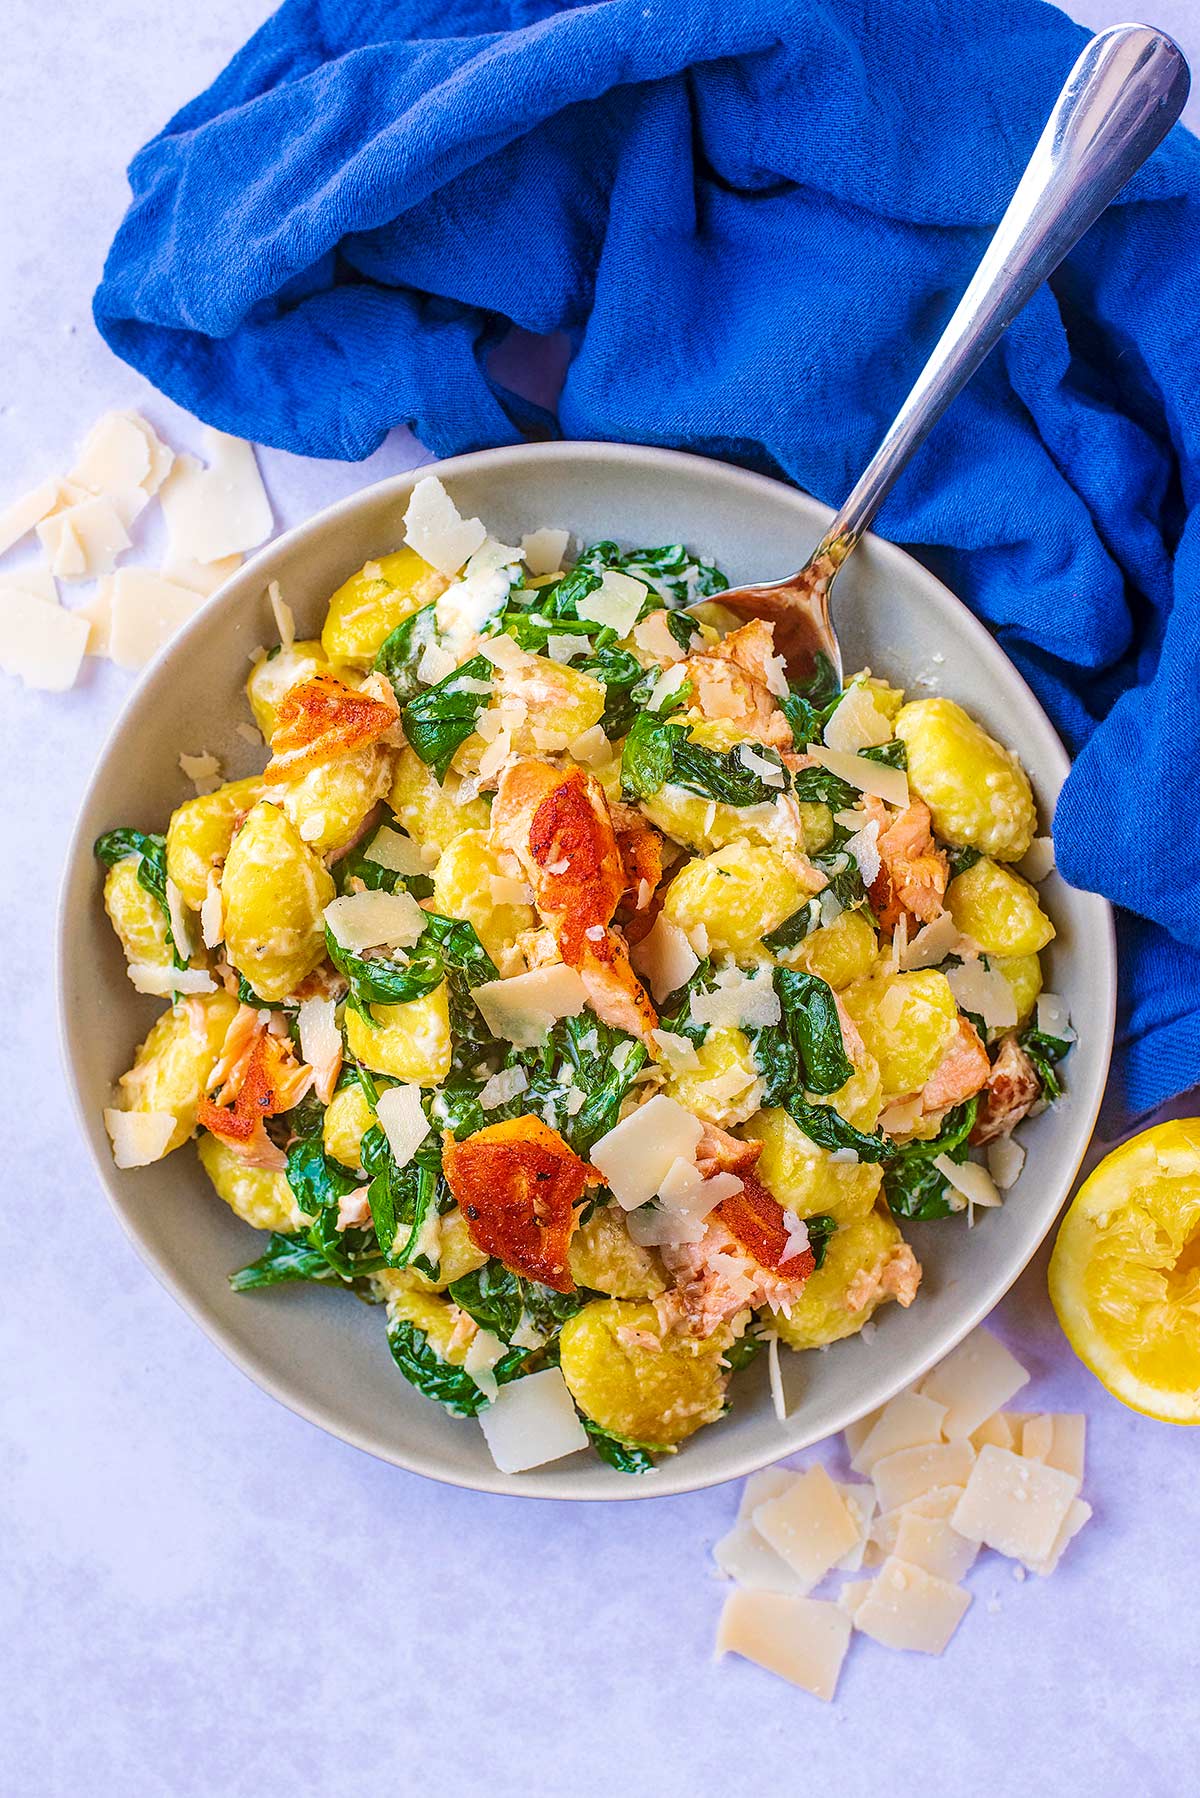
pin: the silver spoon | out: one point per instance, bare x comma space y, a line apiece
1119, 102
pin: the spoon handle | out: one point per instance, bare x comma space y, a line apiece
1119, 102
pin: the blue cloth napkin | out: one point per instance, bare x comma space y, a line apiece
751, 217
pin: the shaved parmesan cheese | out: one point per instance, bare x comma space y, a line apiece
1037, 1437
1053, 1017
1014, 1506
902, 1117
591, 747
532, 1421
481, 1357
939, 1501
684, 1188
215, 511
770, 773
435, 664
636, 1155
767, 1483
544, 550
361, 921
975, 1379
434, 527
212, 913
525, 1008
664, 688
202, 577
467, 605
1057, 1439
139, 1137
653, 636
389, 849
857, 722
852, 1596
24, 513
737, 999
615, 603
775, 1378
285, 618
888, 784
160, 983
912, 1471
664, 957
41, 642
907, 1607
856, 1433
146, 613
984, 991
33, 579
910, 1420
679, 1052
203, 770
803, 1640
1005, 1159
742, 1555
933, 944
1071, 1525
864, 847
934, 1544
405, 1125
84, 540
320, 1038
115, 458
995, 1429
1038, 860
861, 1504
561, 649
504, 652
181, 924
504, 891
972, 1181
502, 1087
809, 1526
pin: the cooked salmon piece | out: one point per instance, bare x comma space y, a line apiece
741, 1260
518, 1184
913, 871
1013, 1089
263, 1080
960, 1074
321, 719
897, 1275
731, 681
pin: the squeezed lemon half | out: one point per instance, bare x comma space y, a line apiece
1125, 1272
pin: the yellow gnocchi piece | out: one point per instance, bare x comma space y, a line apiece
804, 1177
1024, 975
837, 953
854, 1258
604, 1258
259, 1196
368, 607
906, 1022
701, 824
726, 1088
737, 893
348, 1117
275, 891
280, 671
410, 1041
560, 703
457, 1255
977, 791
200, 832
136, 916
999, 910
330, 803
653, 1396
462, 888
429, 812
436, 1317
171, 1068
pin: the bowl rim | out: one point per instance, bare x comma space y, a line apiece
555, 1480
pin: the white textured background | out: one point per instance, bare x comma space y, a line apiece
202, 1595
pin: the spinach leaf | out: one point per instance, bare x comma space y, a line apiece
451, 1386
677, 578
1044, 1052
962, 859
626, 687
820, 786
823, 1125
401, 1199
813, 1031
498, 1299
308, 1118
626, 1457
723, 775
287, 1260
439, 719
739, 1354
793, 930
684, 628
809, 704
400, 653
358, 866
912, 1185
891, 755
448, 948
151, 852
648, 754
820, 1229
318, 1182
845, 879
606, 1063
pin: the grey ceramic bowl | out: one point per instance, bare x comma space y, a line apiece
321, 1352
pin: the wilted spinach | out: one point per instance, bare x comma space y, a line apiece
287, 1259
448, 948
826, 1127
808, 705
402, 1198
820, 1229
400, 653
498, 1300
358, 866
151, 853
793, 930
1045, 1052
626, 1457
439, 719
451, 1386
912, 1185
606, 1063
657, 751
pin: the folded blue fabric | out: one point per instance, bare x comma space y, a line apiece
751, 217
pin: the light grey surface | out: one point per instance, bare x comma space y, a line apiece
322, 1352
204, 1597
